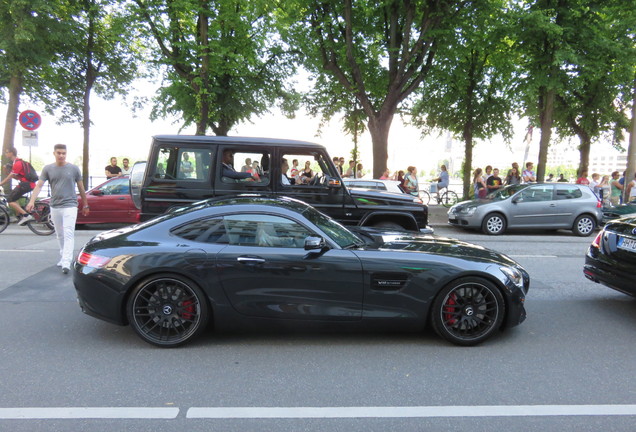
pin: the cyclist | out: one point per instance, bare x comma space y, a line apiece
442, 180
24, 186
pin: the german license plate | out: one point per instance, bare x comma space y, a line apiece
627, 244
452, 216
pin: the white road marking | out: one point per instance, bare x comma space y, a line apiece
415, 411
88, 413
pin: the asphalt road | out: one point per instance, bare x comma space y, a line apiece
569, 367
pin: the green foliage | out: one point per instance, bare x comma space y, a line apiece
102, 55
221, 60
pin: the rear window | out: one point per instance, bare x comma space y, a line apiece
564, 192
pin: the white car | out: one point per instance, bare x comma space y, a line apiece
374, 184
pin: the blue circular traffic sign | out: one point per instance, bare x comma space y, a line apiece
30, 120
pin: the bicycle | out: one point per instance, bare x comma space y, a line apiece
447, 199
41, 223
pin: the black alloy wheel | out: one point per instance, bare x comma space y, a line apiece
468, 311
494, 224
167, 310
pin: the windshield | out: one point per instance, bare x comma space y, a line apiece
342, 236
506, 192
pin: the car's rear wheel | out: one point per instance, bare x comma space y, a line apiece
468, 311
494, 224
584, 225
167, 310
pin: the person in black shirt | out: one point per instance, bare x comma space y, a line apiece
494, 181
112, 170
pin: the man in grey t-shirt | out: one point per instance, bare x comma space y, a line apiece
62, 176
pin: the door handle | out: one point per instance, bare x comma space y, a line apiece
250, 260
553, 205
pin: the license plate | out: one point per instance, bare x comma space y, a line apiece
627, 244
452, 217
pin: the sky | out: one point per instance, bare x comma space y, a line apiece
117, 132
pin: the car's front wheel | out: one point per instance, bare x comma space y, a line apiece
494, 224
584, 225
468, 311
167, 310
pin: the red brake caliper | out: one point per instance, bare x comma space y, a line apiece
188, 309
449, 309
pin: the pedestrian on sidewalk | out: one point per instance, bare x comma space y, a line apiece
62, 177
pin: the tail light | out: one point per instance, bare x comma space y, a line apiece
599, 204
597, 241
91, 260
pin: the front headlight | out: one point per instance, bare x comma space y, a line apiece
513, 275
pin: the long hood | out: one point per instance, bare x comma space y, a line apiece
428, 244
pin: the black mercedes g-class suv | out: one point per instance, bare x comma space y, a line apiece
184, 169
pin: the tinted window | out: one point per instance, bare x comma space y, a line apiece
265, 230
183, 164
564, 192
203, 230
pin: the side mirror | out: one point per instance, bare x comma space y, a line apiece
314, 243
516, 199
97, 193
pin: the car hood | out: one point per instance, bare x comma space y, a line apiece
375, 195
430, 244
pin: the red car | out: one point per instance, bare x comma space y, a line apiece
110, 202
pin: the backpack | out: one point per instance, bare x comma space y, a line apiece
29, 172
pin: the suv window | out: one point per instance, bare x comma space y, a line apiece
257, 164
182, 163
307, 169
564, 192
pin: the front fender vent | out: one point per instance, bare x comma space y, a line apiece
388, 281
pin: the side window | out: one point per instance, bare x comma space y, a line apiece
250, 168
265, 231
203, 230
119, 186
183, 164
306, 169
537, 194
564, 192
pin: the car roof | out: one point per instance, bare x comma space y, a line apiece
255, 199
247, 141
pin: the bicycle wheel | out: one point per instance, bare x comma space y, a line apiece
449, 198
4, 219
425, 197
42, 224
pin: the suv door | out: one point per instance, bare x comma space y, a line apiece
319, 186
178, 174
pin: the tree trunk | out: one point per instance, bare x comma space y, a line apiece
15, 89
379, 126
546, 107
204, 108
86, 126
631, 151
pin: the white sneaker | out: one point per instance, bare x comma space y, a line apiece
25, 219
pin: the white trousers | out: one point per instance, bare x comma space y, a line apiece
64, 222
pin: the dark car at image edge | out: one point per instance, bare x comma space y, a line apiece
250, 261
611, 258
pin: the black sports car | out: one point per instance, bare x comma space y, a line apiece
611, 258
252, 260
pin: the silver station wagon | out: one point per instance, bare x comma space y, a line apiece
544, 206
